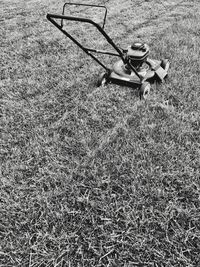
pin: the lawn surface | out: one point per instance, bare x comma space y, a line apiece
94, 176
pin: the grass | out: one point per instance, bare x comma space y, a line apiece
94, 176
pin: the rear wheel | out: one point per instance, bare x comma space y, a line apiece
145, 90
102, 79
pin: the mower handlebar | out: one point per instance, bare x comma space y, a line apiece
51, 18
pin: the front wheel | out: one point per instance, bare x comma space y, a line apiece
145, 90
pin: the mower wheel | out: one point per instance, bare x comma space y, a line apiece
102, 79
145, 90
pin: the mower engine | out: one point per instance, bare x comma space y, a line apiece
136, 54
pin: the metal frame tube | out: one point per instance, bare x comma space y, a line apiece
120, 53
51, 18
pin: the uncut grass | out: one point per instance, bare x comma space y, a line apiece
93, 176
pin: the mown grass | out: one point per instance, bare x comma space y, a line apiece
94, 176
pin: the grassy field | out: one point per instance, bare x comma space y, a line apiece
94, 176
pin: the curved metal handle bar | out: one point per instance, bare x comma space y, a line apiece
120, 54
51, 18
88, 5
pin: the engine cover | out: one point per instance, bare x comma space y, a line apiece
137, 54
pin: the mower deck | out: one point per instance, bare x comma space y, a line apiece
154, 70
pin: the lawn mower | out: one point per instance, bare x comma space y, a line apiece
133, 68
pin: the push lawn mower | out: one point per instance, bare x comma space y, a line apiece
134, 67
